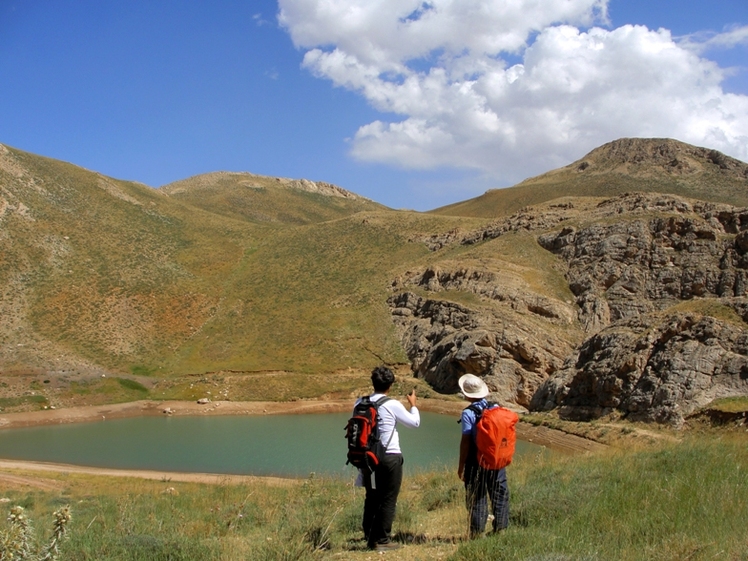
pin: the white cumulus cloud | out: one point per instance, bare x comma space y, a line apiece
514, 87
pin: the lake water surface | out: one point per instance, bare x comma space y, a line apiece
284, 445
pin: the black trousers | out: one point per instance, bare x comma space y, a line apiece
381, 499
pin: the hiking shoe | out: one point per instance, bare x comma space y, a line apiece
389, 546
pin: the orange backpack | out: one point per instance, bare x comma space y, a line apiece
495, 436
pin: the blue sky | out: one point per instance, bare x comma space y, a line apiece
413, 104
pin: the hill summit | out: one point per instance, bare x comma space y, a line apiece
260, 198
654, 165
647, 157
222, 179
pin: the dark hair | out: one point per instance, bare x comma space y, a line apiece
382, 378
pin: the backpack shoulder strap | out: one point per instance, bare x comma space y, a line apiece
381, 400
475, 409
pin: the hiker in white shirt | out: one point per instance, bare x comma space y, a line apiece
383, 485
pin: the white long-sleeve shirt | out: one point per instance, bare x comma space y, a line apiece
390, 413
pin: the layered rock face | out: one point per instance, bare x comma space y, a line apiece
632, 263
653, 366
624, 269
445, 340
651, 369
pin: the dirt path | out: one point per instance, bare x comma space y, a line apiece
542, 436
16, 481
165, 476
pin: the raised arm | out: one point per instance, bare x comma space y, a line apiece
410, 418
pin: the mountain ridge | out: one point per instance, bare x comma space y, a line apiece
259, 198
225, 279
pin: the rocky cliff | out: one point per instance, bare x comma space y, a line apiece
651, 368
659, 285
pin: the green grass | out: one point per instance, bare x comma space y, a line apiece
132, 385
105, 390
730, 404
141, 370
682, 501
38, 400
686, 500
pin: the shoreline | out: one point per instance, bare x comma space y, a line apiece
26, 467
144, 408
543, 436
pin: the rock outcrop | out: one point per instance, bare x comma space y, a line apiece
677, 252
445, 340
632, 263
489, 285
651, 369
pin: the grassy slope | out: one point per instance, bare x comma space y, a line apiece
305, 298
257, 198
138, 281
313, 298
504, 202
119, 279
675, 501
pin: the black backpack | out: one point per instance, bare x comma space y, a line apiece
365, 449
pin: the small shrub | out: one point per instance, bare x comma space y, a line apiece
17, 542
132, 385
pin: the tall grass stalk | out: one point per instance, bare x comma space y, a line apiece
682, 501
17, 542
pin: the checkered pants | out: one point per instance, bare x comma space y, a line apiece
482, 485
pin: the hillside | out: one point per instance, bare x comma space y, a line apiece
258, 198
101, 276
620, 291
651, 165
99, 273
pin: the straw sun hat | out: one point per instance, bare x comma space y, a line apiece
472, 386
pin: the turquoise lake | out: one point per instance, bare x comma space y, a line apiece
282, 445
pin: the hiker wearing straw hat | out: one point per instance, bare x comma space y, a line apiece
482, 483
